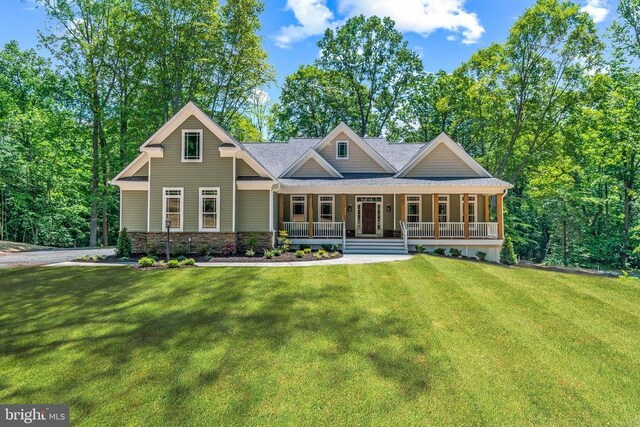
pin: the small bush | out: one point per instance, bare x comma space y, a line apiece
439, 251
420, 248
307, 250
189, 261
146, 262
269, 254
124, 258
229, 249
208, 258
181, 258
321, 252
317, 255
328, 248
203, 249
173, 263
151, 249
278, 251
335, 254
455, 252
299, 254
250, 253
123, 246
481, 255
252, 241
283, 240
507, 254
178, 250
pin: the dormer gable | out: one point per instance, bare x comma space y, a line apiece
311, 165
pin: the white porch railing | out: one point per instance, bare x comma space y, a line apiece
297, 229
419, 229
483, 230
327, 229
452, 230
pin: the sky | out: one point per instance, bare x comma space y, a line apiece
445, 33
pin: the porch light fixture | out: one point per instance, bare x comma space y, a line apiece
388, 208
350, 208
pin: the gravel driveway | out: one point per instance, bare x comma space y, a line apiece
48, 256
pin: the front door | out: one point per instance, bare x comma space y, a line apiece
369, 220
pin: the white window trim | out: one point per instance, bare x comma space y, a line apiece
291, 202
473, 200
446, 201
333, 207
406, 206
337, 150
184, 132
164, 207
201, 198
379, 201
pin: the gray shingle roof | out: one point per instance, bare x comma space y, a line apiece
398, 154
277, 157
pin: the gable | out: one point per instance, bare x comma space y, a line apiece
442, 162
243, 169
311, 169
143, 171
359, 161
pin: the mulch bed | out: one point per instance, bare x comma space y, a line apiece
285, 257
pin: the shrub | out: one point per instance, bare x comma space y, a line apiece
439, 251
229, 249
250, 253
146, 262
252, 241
208, 258
283, 240
299, 254
278, 251
481, 255
328, 248
203, 249
334, 254
419, 248
317, 255
124, 258
507, 255
123, 246
173, 263
455, 252
181, 258
307, 250
269, 254
178, 250
322, 252
151, 249
189, 261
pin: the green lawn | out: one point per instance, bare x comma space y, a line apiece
427, 341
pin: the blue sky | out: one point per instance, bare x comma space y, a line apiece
444, 32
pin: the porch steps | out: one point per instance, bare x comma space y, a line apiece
375, 246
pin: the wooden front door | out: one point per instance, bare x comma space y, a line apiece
369, 220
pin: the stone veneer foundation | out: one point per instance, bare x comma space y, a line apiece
192, 241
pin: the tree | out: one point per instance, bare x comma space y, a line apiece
507, 255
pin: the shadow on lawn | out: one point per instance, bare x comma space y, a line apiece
112, 317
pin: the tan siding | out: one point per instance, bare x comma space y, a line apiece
311, 169
427, 208
275, 211
243, 169
455, 207
358, 161
143, 171
252, 210
442, 162
480, 213
351, 216
134, 210
387, 217
169, 171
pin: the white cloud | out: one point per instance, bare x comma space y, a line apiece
313, 16
417, 16
598, 9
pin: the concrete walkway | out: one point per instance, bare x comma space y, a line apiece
344, 260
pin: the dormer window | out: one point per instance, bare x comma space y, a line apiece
192, 145
342, 150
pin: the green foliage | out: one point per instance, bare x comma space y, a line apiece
307, 250
454, 252
178, 250
481, 255
146, 262
269, 254
282, 241
203, 249
123, 247
439, 251
189, 261
420, 248
250, 253
507, 255
299, 254
173, 263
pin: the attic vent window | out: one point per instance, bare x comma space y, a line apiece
342, 150
192, 145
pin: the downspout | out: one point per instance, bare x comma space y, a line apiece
233, 197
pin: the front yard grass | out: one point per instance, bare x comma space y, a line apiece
427, 341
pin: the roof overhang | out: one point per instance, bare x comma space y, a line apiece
155, 151
131, 185
262, 184
132, 167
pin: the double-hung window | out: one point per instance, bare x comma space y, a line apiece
172, 208
443, 209
473, 208
326, 208
192, 145
342, 150
209, 209
413, 208
298, 208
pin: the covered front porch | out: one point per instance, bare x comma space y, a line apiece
429, 216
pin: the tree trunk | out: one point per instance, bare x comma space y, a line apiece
95, 160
